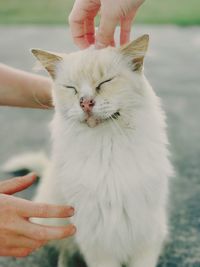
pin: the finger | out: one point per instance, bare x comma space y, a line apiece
15, 185
89, 30
78, 21
76, 24
44, 232
18, 241
126, 24
40, 210
125, 30
78, 34
90, 25
15, 252
106, 30
112, 43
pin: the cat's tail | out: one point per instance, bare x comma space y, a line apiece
27, 162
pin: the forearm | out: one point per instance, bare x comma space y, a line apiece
22, 89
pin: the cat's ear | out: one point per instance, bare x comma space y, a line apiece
48, 60
136, 51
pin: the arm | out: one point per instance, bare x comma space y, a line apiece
22, 89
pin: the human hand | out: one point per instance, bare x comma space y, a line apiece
81, 21
18, 236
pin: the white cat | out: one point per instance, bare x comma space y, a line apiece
109, 156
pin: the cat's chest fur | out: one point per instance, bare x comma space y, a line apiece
111, 177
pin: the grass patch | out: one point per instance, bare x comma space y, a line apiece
180, 12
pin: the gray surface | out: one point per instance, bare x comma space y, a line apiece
173, 67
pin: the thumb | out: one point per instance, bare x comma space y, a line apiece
17, 184
106, 30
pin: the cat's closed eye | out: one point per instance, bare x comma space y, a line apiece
98, 88
70, 87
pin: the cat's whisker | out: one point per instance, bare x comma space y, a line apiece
74, 113
127, 123
71, 124
119, 128
111, 109
124, 137
70, 129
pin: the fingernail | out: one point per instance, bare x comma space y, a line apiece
99, 45
31, 175
72, 230
71, 211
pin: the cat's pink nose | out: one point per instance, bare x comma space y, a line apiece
87, 104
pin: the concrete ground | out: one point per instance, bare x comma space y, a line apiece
173, 68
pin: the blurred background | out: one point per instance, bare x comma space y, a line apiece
180, 12
173, 68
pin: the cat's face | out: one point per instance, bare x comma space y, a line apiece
96, 86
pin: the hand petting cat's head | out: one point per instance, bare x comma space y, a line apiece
96, 86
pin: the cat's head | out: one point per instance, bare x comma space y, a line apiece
96, 86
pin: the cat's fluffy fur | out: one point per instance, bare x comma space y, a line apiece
113, 169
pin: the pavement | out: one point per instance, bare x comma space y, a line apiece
173, 68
